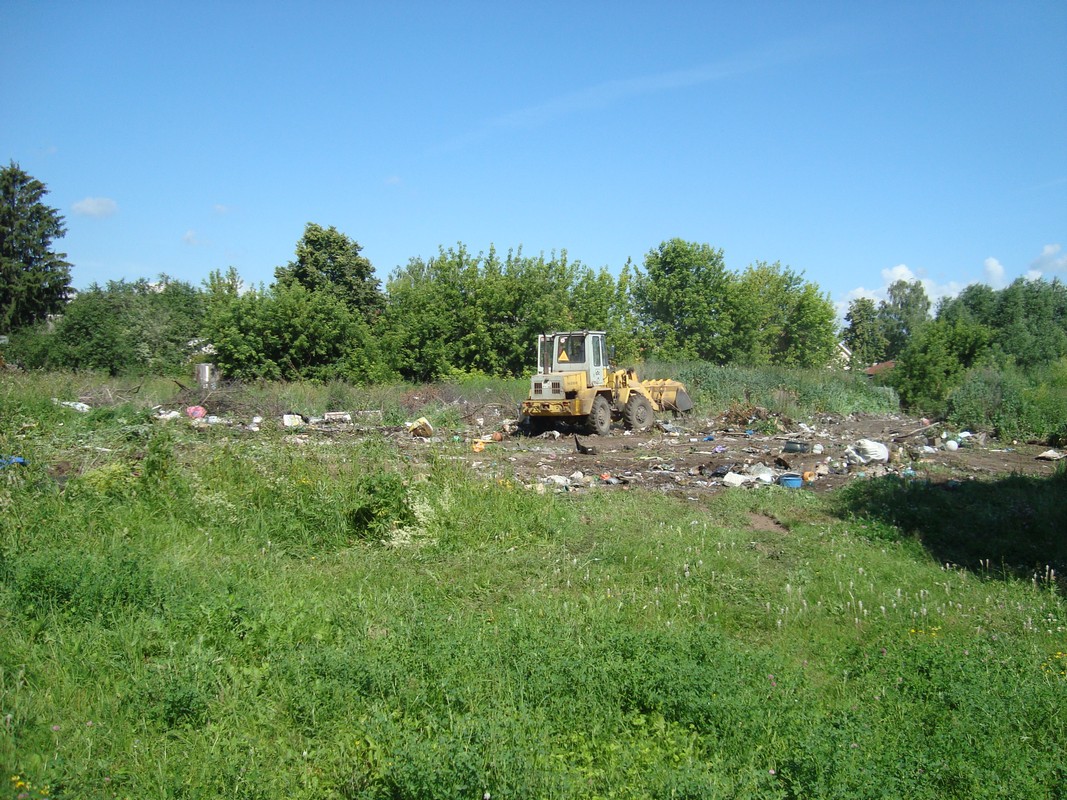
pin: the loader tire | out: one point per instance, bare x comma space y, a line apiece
600, 416
638, 414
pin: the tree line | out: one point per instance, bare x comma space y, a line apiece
326, 316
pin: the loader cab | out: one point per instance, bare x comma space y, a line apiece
574, 351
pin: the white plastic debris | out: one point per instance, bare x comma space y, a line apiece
81, 407
866, 451
761, 472
292, 420
734, 479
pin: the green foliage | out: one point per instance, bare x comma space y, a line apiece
779, 318
463, 313
224, 628
1027, 321
863, 334
288, 333
990, 359
34, 280
933, 363
795, 392
683, 297
328, 261
137, 328
903, 315
1011, 405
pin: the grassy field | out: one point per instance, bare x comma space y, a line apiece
192, 613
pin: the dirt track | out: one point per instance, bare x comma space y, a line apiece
692, 456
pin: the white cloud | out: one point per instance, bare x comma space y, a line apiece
98, 207
1050, 260
219, 208
898, 273
190, 237
994, 273
902, 272
394, 180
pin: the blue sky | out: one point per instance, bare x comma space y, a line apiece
855, 142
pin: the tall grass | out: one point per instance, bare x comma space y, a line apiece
794, 392
255, 618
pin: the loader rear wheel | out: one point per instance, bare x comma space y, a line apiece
638, 414
600, 416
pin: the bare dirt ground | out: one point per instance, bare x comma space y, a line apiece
695, 456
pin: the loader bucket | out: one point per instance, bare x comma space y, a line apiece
669, 395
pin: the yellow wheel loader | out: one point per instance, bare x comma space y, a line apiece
575, 384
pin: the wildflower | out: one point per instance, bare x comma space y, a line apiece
55, 729
771, 771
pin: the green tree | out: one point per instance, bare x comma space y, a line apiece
903, 314
124, 327
287, 333
34, 280
779, 319
462, 312
936, 360
327, 260
863, 335
682, 296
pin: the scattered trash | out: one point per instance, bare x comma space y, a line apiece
583, 449
196, 412
165, 415
733, 479
708, 438
952, 445
292, 420
421, 427
337, 416
667, 428
791, 480
761, 472
81, 407
796, 447
478, 446
865, 451
816, 449
12, 461
1050, 455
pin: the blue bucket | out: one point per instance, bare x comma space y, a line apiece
791, 481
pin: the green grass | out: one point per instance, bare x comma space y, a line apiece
238, 616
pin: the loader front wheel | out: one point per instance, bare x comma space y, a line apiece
600, 416
638, 414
